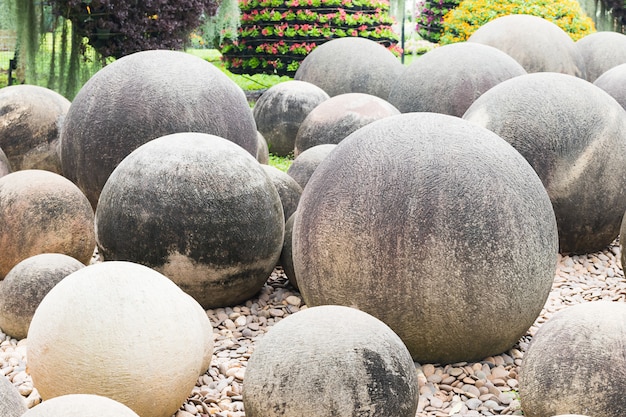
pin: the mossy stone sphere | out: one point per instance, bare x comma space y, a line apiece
12, 403
43, 212
334, 119
200, 210
575, 363
280, 111
429, 222
536, 43
330, 361
144, 96
448, 79
351, 65
574, 136
30, 126
613, 82
286, 256
26, 285
124, 336
288, 189
306, 163
80, 405
602, 51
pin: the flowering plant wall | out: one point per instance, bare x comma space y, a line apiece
276, 35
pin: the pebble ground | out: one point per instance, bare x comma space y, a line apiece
488, 387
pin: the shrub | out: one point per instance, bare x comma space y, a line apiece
460, 23
430, 18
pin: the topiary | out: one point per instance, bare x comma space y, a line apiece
460, 23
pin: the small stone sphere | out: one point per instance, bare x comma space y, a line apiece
429, 222
614, 82
351, 65
11, 401
330, 361
5, 165
448, 79
80, 405
574, 136
602, 51
117, 325
286, 256
262, 150
288, 189
575, 363
43, 212
144, 96
305, 164
280, 111
198, 209
30, 126
26, 284
336, 118
536, 43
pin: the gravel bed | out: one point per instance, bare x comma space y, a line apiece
488, 387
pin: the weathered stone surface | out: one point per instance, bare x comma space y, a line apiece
11, 402
262, 150
305, 164
286, 256
288, 189
80, 405
602, 51
394, 197
613, 82
5, 165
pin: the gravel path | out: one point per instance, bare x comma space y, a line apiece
488, 387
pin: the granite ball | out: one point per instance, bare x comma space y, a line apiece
305, 163
429, 222
602, 51
286, 255
12, 403
288, 189
262, 150
614, 82
80, 405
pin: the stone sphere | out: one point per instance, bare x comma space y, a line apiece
30, 126
286, 256
429, 222
305, 164
123, 336
448, 79
80, 405
280, 111
330, 361
144, 96
288, 189
575, 363
614, 82
11, 401
336, 118
5, 165
351, 65
574, 135
25, 286
536, 43
43, 212
262, 150
200, 210
602, 51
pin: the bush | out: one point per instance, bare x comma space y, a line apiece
460, 23
430, 18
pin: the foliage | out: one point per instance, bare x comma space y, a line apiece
281, 162
276, 35
429, 19
216, 27
460, 23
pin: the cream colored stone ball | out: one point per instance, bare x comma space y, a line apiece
80, 405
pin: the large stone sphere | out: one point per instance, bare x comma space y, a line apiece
80, 405
5, 165
448, 79
351, 65
574, 135
26, 285
11, 401
286, 256
330, 361
262, 150
336, 118
536, 43
200, 210
575, 363
141, 97
614, 82
306, 163
288, 189
43, 212
30, 126
280, 111
428, 222
602, 51
130, 326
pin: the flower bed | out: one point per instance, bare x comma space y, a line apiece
276, 35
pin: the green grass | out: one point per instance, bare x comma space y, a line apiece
281, 162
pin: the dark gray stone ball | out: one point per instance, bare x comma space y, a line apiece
429, 222
286, 256
602, 51
334, 119
262, 150
448, 79
288, 189
614, 82
144, 96
305, 164
200, 210
574, 135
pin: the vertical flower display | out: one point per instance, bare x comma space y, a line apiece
276, 35
430, 15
